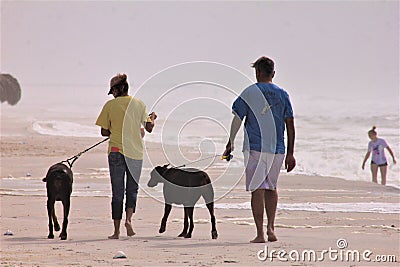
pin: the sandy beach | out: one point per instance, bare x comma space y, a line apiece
337, 63
300, 230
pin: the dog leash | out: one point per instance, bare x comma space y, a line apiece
74, 158
227, 158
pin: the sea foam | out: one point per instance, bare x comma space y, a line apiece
374, 207
65, 128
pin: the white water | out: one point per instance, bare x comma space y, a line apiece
325, 146
373, 207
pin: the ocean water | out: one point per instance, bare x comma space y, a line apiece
374, 207
327, 144
331, 134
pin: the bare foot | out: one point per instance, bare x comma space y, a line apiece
114, 236
271, 236
129, 230
258, 239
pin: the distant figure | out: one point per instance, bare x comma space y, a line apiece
377, 147
125, 150
268, 112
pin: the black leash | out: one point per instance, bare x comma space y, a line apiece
227, 158
74, 158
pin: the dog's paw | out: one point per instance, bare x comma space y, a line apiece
214, 234
56, 227
50, 236
183, 234
162, 229
188, 236
63, 236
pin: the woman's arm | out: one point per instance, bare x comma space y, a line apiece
105, 132
365, 159
391, 154
150, 125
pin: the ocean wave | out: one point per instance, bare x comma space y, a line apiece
374, 207
325, 146
65, 128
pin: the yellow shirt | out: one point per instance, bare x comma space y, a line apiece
123, 117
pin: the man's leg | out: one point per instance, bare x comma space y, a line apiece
271, 202
257, 207
271, 194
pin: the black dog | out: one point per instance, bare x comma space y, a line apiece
58, 180
184, 187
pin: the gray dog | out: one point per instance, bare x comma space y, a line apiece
184, 187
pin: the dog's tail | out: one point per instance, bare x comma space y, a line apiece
44, 179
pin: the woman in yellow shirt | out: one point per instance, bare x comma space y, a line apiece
121, 119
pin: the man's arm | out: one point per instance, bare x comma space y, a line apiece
290, 161
150, 125
235, 126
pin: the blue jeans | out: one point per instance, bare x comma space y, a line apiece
120, 165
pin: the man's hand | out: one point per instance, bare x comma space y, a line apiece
228, 149
290, 162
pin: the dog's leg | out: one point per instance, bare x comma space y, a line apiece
214, 233
167, 210
191, 226
50, 211
185, 223
66, 204
55, 221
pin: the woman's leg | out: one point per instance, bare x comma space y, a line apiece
117, 174
374, 171
134, 169
383, 170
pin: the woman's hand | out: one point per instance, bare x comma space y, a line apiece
153, 116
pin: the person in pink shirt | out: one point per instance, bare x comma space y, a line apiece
376, 147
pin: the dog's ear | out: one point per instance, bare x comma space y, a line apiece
166, 165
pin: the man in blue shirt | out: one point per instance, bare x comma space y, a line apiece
268, 111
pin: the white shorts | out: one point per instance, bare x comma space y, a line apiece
262, 169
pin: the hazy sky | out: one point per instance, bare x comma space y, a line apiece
338, 48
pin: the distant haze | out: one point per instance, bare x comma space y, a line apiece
342, 49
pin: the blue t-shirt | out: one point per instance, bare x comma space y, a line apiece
266, 107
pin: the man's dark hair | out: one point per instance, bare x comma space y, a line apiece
264, 65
